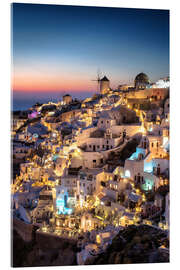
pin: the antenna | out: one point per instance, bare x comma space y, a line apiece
98, 79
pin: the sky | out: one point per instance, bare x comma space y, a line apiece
58, 49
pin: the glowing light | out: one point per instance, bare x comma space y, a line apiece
32, 115
162, 83
35, 135
98, 239
127, 174
135, 155
150, 129
55, 157
148, 185
165, 140
61, 205
143, 130
148, 166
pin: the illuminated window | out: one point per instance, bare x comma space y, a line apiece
127, 173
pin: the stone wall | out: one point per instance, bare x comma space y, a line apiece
160, 93
131, 130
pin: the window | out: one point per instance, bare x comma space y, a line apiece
103, 146
89, 146
94, 160
127, 173
97, 146
111, 146
152, 144
157, 144
142, 179
107, 142
101, 122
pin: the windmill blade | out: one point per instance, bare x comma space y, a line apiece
98, 75
98, 79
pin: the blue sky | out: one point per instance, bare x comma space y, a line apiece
59, 48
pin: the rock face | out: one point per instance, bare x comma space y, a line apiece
135, 245
32, 255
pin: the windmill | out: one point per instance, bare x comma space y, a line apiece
98, 80
62, 93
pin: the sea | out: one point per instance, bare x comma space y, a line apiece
21, 103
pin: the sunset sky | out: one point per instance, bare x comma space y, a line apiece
58, 49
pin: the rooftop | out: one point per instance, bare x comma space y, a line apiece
104, 79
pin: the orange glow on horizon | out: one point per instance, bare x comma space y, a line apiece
31, 82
